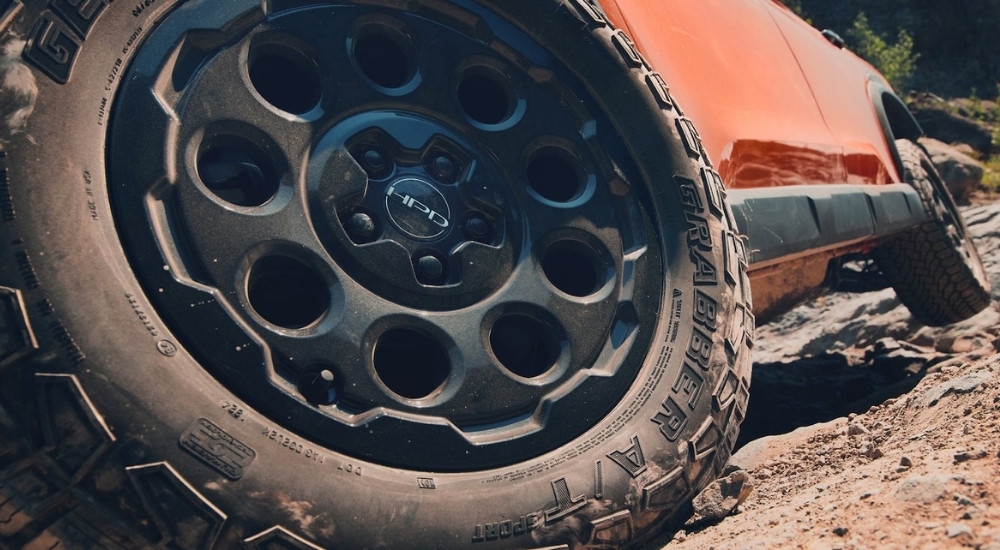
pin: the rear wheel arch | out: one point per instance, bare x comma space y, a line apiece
895, 120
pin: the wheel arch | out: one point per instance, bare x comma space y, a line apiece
894, 119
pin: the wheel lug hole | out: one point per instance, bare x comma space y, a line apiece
429, 268
318, 387
360, 227
443, 168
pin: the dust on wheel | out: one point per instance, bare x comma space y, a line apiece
934, 268
353, 276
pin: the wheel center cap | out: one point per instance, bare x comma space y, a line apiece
417, 208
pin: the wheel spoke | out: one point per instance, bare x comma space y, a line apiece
539, 308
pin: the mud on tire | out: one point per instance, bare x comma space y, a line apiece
308, 274
934, 268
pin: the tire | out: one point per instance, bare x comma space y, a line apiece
934, 268
343, 275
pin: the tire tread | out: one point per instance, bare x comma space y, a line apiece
933, 279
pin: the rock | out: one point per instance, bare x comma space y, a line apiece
923, 489
722, 496
947, 362
957, 529
876, 357
965, 149
939, 122
960, 172
962, 384
19, 91
886, 345
972, 454
856, 429
759, 452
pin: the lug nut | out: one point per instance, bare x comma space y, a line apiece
443, 169
317, 387
477, 228
430, 269
375, 163
360, 227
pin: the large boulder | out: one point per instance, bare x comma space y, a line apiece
960, 172
942, 122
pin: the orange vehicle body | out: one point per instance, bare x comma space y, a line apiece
773, 108
777, 104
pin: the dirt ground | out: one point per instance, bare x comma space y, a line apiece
894, 428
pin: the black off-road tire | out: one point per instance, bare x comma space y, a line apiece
371, 274
934, 268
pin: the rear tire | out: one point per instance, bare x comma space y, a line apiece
341, 275
934, 268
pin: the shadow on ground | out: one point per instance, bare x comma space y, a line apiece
786, 396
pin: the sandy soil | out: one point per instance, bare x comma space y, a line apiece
898, 428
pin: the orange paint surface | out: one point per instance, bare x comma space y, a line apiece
775, 103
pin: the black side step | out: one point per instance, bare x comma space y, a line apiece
796, 220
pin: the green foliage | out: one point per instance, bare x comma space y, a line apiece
996, 117
976, 109
991, 175
958, 40
794, 5
897, 62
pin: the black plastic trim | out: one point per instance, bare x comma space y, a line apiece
793, 221
894, 119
